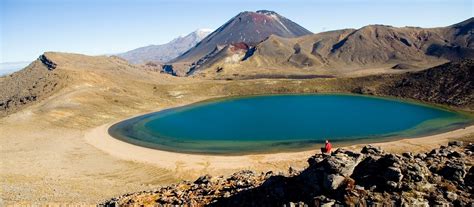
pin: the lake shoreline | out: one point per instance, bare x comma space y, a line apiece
124, 130
101, 139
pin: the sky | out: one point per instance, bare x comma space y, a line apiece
94, 27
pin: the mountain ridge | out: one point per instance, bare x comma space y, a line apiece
165, 52
348, 51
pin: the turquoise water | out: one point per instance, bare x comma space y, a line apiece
275, 123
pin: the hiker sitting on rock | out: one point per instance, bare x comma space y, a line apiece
327, 147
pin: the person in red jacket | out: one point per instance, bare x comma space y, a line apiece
327, 147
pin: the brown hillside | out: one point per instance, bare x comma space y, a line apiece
451, 83
371, 49
36, 81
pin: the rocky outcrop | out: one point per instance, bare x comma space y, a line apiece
403, 66
370, 177
48, 63
232, 53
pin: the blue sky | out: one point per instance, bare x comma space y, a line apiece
30, 27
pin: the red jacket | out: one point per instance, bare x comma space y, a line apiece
328, 147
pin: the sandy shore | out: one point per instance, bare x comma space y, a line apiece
100, 138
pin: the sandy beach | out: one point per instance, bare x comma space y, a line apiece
182, 162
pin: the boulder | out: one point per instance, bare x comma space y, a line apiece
408, 155
470, 147
469, 179
454, 171
455, 143
455, 154
391, 185
434, 152
315, 159
340, 163
389, 160
393, 174
363, 90
417, 202
369, 149
203, 179
384, 173
421, 156
392, 177
323, 201
332, 182
365, 170
451, 196
416, 172
438, 200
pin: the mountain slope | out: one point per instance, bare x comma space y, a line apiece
458, 42
33, 83
247, 27
165, 52
64, 73
451, 84
371, 49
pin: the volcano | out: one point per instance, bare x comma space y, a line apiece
247, 27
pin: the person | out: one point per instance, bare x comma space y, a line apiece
327, 147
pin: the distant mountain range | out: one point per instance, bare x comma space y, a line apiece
264, 42
165, 52
254, 42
